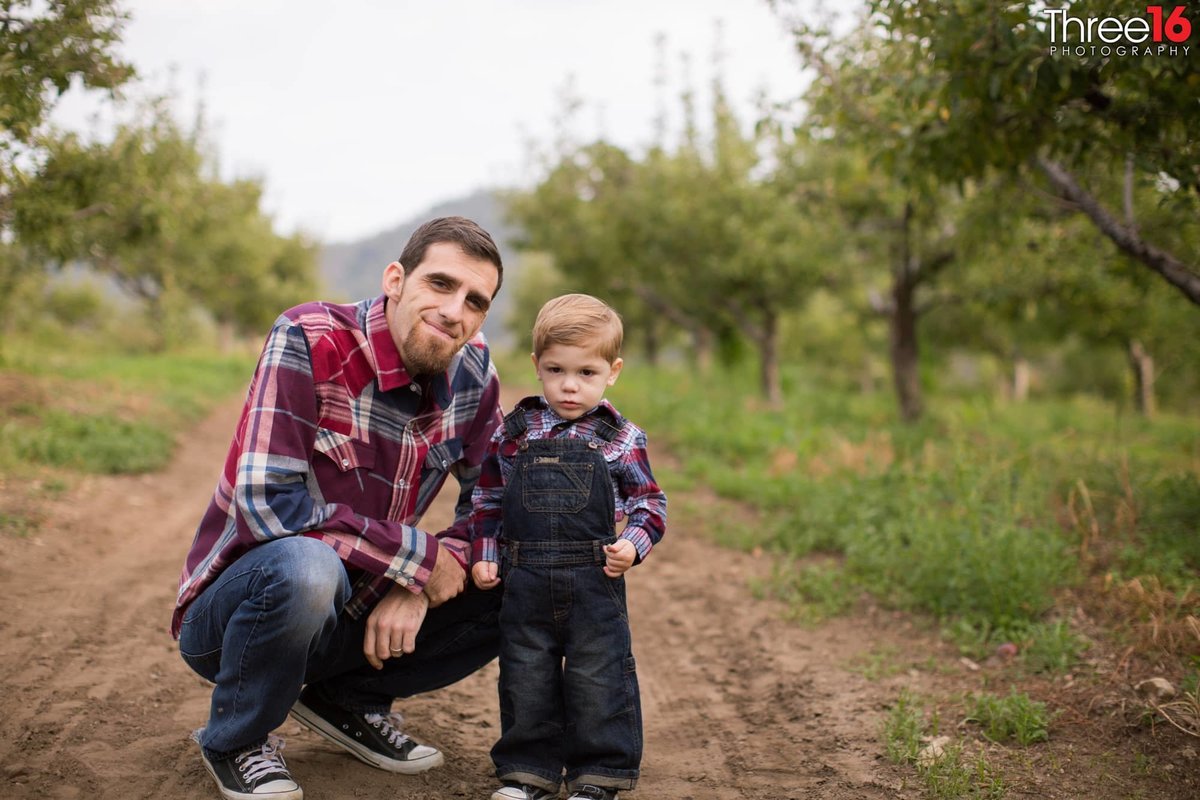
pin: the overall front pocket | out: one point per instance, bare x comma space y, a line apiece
557, 488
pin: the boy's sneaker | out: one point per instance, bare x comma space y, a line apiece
522, 791
375, 739
256, 773
590, 792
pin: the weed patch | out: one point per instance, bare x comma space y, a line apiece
814, 591
1050, 646
1012, 718
903, 729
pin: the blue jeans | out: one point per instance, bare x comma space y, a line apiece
273, 622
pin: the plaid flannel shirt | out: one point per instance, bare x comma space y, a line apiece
338, 442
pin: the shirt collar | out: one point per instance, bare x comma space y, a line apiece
389, 366
602, 408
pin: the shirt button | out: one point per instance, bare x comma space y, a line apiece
402, 483
345, 462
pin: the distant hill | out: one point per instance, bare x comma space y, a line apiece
352, 270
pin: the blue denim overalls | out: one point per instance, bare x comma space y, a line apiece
568, 690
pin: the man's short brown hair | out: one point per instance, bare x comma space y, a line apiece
474, 241
579, 320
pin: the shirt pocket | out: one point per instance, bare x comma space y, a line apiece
345, 453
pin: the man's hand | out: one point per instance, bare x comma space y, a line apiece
393, 625
447, 580
619, 557
486, 574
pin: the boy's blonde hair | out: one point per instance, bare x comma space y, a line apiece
579, 320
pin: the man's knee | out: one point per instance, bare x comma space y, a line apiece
306, 575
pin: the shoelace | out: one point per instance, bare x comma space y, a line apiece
389, 725
268, 759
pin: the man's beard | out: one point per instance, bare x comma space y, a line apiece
425, 354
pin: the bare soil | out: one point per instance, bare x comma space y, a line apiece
738, 702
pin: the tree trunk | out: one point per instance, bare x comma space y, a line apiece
156, 315
902, 323
702, 350
1143, 378
904, 350
653, 341
903, 333
1020, 379
769, 359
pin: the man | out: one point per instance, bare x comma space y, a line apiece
306, 571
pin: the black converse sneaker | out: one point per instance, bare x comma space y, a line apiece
522, 791
375, 739
256, 773
590, 792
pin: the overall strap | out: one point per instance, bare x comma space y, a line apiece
514, 423
607, 431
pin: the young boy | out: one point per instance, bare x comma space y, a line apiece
559, 473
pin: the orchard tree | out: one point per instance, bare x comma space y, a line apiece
707, 236
45, 48
123, 206
145, 210
234, 265
950, 92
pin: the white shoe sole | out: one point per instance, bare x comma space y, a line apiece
229, 794
306, 717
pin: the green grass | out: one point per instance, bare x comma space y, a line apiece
951, 776
96, 443
182, 387
945, 776
974, 515
17, 524
85, 407
902, 729
1051, 647
1015, 717
814, 592
1042, 646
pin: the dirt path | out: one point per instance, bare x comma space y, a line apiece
96, 703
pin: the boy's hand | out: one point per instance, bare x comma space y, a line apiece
485, 574
619, 557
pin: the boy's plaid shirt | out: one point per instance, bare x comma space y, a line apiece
638, 498
337, 442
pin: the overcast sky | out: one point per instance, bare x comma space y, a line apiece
358, 114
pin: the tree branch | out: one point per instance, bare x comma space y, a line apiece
743, 319
1174, 271
657, 303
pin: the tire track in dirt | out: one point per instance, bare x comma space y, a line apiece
95, 702
746, 704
